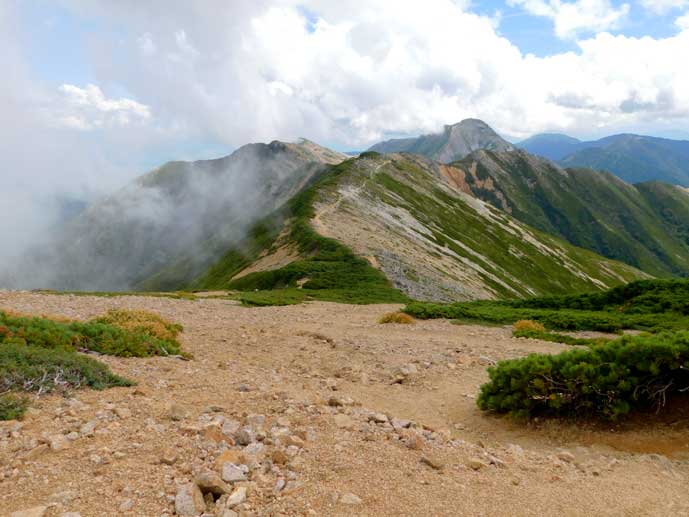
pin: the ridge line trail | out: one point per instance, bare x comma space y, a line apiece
325, 369
332, 206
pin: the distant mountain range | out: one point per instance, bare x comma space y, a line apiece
459, 215
633, 158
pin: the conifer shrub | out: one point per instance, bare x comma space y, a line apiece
606, 381
137, 341
141, 322
43, 370
12, 406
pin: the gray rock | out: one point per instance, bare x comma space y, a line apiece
189, 501
89, 428
245, 436
400, 424
232, 472
211, 483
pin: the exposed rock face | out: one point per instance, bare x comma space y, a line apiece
455, 142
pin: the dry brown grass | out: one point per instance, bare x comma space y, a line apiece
397, 317
529, 325
144, 322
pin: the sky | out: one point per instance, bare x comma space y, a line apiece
98, 92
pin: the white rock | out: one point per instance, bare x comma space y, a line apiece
237, 497
189, 501
232, 472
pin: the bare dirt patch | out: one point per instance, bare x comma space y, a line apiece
387, 414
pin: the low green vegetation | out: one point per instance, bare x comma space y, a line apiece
608, 381
555, 337
97, 335
642, 225
40, 370
649, 305
604, 378
329, 271
41, 355
13, 407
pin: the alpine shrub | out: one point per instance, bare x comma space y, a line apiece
43, 370
137, 339
13, 407
607, 381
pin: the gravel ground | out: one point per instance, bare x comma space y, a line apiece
342, 416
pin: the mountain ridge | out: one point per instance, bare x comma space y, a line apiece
453, 143
596, 210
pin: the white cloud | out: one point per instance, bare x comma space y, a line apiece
88, 108
579, 16
663, 6
683, 22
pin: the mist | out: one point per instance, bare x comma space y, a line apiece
163, 230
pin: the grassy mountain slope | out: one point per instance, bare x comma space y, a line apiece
406, 217
455, 142
644, 225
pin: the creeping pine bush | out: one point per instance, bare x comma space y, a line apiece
607, 381
126, 337
43, 370
13, 406
651, 305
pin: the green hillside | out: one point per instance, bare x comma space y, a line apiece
642, 225
437, 227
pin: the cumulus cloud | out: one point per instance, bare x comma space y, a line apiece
580, 16
352, 72
683, 22
663, 6
88, 108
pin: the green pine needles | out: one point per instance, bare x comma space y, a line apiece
608, 381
